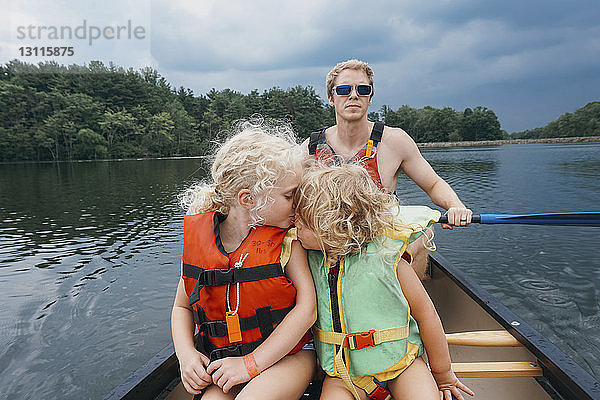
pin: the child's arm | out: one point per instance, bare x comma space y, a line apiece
432, 332
231, 371
192, 362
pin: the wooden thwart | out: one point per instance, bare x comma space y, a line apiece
499, 338
496, 369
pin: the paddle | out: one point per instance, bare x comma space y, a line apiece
569, 218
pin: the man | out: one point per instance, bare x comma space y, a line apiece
383, 150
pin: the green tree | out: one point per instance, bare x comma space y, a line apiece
89, 145
121, 132
158, 139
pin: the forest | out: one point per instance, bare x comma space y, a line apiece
52, 112
585, 121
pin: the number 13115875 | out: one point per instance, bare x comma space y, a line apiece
47, 51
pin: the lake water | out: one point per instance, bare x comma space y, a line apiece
89, 258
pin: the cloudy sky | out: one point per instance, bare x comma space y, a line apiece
528, 60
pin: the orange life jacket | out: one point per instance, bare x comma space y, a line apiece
211, 275
367, 156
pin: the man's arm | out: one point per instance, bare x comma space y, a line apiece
418, 169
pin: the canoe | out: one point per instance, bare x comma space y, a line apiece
493, 351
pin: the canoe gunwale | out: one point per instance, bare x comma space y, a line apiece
566, 376
149, 380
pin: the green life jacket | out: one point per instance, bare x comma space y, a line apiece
375, 332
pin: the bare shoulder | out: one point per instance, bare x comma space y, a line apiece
396, 135
398, 140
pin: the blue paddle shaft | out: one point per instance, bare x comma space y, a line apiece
574, 218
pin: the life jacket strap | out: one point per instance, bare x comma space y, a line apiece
224, 276
264, 319
374, 139
314, 140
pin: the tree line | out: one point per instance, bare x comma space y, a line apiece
50, 111
585, 121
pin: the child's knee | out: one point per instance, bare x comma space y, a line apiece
415, 383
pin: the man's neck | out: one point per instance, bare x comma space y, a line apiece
353, 133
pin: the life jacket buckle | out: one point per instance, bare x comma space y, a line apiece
229, 351
217, 277
212, 328
360, 340
379, 393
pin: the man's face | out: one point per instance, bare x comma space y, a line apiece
352, 107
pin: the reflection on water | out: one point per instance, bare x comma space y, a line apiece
88, 266
89, 258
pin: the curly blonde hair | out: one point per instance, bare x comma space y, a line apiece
344, 208
254, 157
349, 64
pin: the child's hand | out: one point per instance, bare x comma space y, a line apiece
228, 372
449, 385
193, 372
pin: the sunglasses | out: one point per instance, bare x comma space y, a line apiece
361, 90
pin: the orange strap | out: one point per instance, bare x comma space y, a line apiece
250, 364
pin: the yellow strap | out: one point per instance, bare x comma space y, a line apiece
286, 247
340, 367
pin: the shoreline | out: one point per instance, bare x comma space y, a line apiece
580, 139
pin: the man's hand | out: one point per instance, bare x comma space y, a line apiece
458, 216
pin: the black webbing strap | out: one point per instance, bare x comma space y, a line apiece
236, 350
199, 316
218, 277
332, 278
314, 139
377, 133
191, 271
195, 295
264, 316
264, 319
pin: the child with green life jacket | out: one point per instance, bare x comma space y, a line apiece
375, 319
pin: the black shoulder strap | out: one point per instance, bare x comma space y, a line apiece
315, 138
377, 132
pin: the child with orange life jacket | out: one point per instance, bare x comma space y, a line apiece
369, 299
245, 283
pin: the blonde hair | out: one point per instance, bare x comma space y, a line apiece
349, 64
254, 157
344, 208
